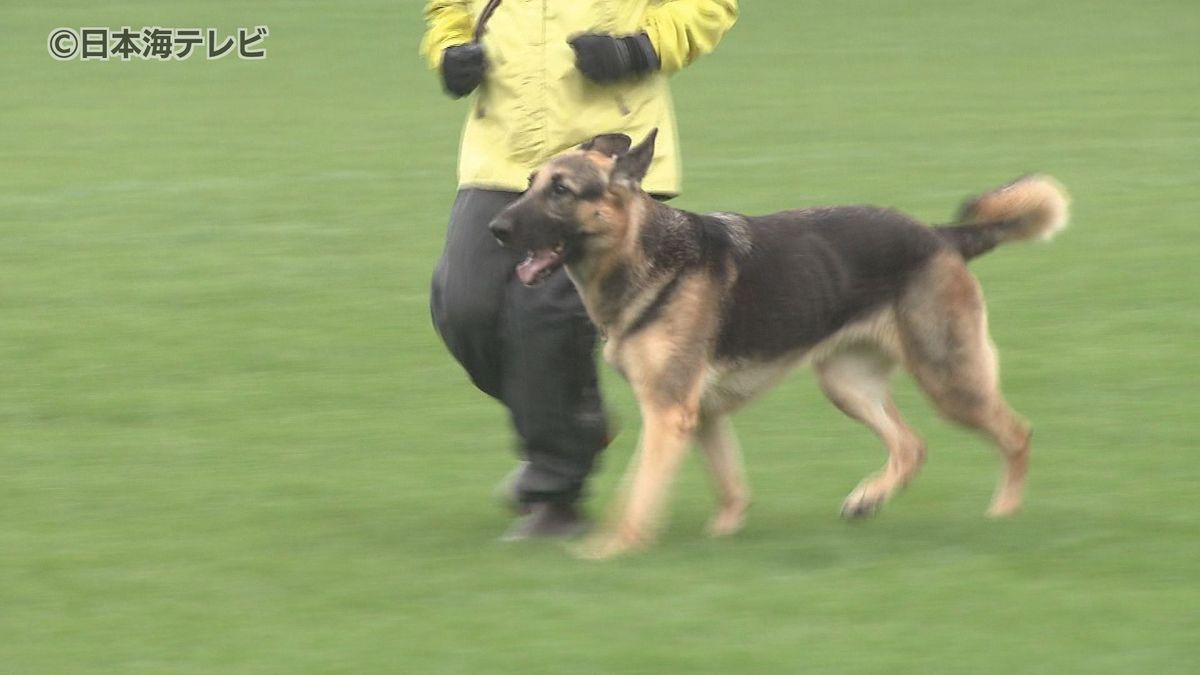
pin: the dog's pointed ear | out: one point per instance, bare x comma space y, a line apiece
634, 164
609, 144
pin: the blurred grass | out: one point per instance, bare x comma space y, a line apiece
230, 442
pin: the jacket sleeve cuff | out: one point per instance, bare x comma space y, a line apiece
448, 24
682, 31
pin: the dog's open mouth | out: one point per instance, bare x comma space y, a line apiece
538, 265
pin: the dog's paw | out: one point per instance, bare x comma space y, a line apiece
607, 545
862, 503
595, 548
727, 521
1003, 508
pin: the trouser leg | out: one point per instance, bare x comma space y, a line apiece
469, 287
531, 348
551, 388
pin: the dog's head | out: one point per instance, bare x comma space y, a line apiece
577, 204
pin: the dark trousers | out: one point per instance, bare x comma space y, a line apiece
530, 348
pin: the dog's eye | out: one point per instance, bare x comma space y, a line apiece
558, 187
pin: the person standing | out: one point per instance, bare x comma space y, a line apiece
545, 76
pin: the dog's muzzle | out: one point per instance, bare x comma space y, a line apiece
501, 229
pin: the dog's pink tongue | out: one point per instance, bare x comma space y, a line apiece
531, 267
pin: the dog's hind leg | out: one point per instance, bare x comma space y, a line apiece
723, 457
943, 329
857, 381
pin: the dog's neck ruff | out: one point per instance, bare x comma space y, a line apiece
624, 293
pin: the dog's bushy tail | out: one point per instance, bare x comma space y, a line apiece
1031, 207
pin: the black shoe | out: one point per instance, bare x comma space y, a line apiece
509, 496
548, 520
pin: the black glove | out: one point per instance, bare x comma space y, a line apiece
462, 68
604, 58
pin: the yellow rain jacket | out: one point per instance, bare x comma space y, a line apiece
534, 103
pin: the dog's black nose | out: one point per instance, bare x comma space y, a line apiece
501, 229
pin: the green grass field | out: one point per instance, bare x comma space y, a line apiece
230, 441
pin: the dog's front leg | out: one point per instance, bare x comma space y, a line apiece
666, 363
667, 431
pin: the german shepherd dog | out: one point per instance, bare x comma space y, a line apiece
703, 312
